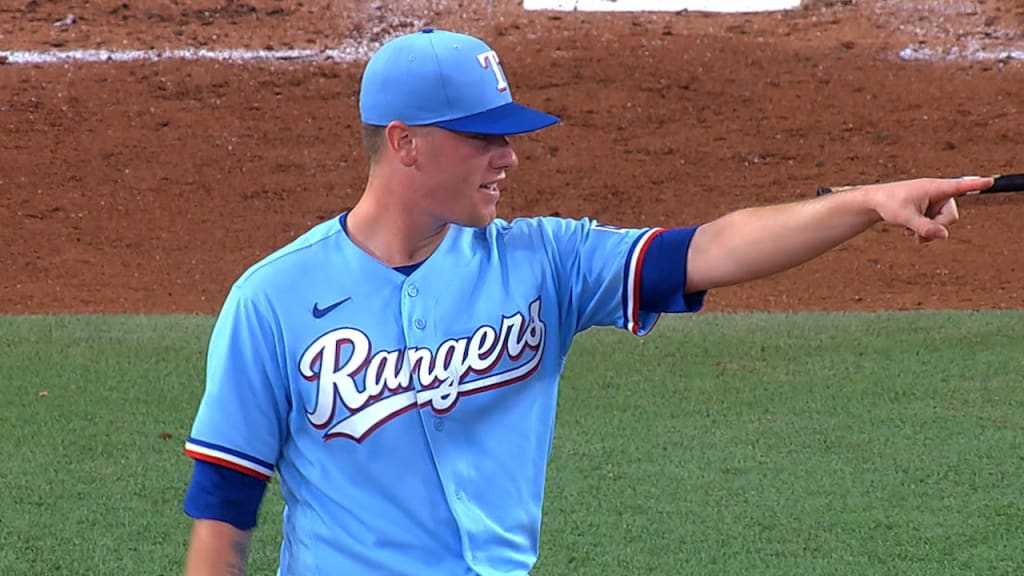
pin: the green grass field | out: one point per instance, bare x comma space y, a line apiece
721, 444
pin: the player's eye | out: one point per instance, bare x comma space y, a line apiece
495, 139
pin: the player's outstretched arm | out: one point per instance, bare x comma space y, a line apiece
757, 242
217, 549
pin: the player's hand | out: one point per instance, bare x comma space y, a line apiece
926, 207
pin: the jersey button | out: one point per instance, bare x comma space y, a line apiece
412, 290
420, 323
438, 424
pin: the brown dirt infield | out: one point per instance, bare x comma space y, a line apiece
149, 186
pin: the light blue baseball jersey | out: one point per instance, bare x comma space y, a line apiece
410, 418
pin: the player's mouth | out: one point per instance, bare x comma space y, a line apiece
491, 188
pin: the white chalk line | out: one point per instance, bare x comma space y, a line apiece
661, 5
362, 53
347, 54
913, 53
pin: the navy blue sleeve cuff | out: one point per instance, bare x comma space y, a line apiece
220, 493
663, 274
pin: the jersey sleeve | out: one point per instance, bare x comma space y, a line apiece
241, 421
602, 266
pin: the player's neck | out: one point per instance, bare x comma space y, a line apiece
394, 235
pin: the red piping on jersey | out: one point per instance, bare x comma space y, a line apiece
636, 280
228, 464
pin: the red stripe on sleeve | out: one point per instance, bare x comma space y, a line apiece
227, 464
636, 280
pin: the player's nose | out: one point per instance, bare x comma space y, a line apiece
504, 158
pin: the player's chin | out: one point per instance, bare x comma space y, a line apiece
486, 210
483, 218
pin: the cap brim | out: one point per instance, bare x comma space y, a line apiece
507, 119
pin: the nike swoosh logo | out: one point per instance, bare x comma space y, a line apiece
319, 312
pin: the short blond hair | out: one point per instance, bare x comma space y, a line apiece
373, 141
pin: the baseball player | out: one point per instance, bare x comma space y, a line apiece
397, 366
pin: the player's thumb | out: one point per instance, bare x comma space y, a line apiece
927, 229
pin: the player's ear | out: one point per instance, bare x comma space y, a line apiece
400, 140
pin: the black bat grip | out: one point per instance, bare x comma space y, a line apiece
1009, 183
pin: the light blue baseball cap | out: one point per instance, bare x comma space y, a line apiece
439, 78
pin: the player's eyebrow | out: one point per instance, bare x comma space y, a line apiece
502, 138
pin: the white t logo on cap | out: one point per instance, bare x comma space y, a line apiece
489, 60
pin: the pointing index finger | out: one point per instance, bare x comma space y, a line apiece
969, 185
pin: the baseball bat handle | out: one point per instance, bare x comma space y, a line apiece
1001, 183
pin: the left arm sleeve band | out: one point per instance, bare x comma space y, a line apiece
220, 493
663, 274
